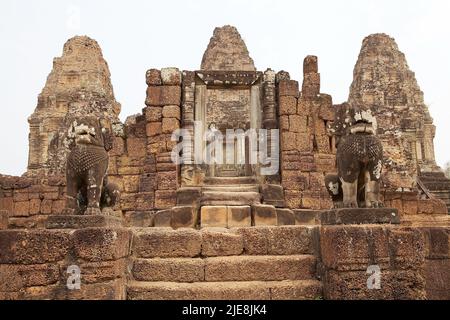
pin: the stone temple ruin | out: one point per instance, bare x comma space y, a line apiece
232, 228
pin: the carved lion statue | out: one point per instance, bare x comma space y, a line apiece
88, 189
359, 160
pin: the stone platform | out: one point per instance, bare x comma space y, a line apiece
360, 216
82, 221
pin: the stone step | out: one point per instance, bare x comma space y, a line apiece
231, 268
229, 180
232, 188
242, 290
254, 241
215, 198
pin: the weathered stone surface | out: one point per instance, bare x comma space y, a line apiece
360, 216
169, 269
285, 217
221, 242
16, 277
163, 242
227, 51
33, 247
198, 291
287, 240
3, 219
165, 199
139, 219
82, 221
163, 95
307, 217
171, 112
259, 268
273, 194
239, 290
239, 216
288, 88
101, 244
184, 217
171, 76
437, 279
101, 271
153, 77
163, 219
288, 105
255, 240
214, 216
395, 285
264, 215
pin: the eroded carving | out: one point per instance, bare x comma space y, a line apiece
88, 189
359, 160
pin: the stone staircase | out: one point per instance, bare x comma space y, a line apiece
257, 263
227, 202
231, 191
438, 184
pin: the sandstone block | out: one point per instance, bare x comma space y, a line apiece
221, 242
213, 216
184, 217
100, 244
408, 246
153, 114
82, 221
164, 243
287, 240
293, 198
307, 217
171, 112
437, 279
101, 271
165, 199
58, 206
354, 247
188, 196
171, 76
131, 183
139, 219
169, 269
288, 88
273, 194
18, 277
394, 285
166, 180
153, 129
239, 216
3, 219
285, 217
255, 240
264, 215
136, 147
169, 125
259, 268
310, 65
298, 123
163, 95
360, 216
21, 209
33, 247
288, 141
153, 77
163, 218
288, 105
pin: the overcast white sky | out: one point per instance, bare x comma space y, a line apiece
138, 35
